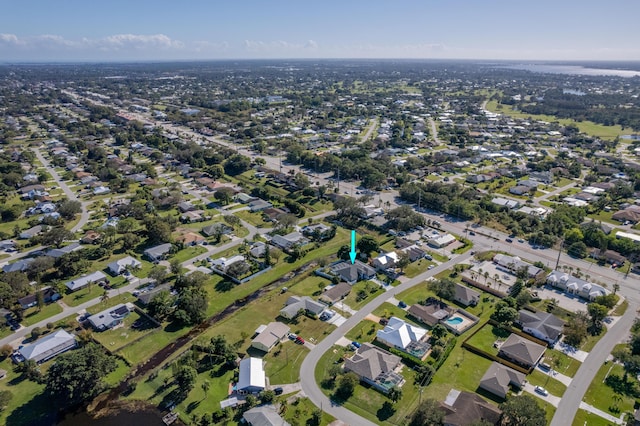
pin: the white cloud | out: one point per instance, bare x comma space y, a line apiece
9, 39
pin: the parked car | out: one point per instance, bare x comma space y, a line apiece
293, 336
472, 233
402, 305
383, 321
355, 344
278, 391
509, 240
542, 391
299, 340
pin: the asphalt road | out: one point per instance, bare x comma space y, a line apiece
570, 402
307, 369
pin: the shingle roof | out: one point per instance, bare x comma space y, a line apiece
369, 361
498, 378
522, 350
546, 323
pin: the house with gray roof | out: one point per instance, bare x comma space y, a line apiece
574, 285
464, 408
376, 367
217, 228
335, 293
159, 252
543, 325
19, 265
264, 415
521, 351
498, 378
31, 232
352, 272
47, 347
270, 335
289, 241
81, 282
465, 295
119, 266
297, 304
110, 317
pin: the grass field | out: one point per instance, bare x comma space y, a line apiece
538, 378
584, 417
116, 338
588, 127
601, 396
34, 316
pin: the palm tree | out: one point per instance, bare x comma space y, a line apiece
616, 287
205, 387
496, 278
486, 275
104, 297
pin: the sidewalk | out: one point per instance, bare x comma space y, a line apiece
343, 307
600, 413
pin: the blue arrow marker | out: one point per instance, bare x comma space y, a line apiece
352, 253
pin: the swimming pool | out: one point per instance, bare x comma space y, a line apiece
454, 321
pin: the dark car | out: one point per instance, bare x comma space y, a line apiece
509, 240
278, 391
402, 305
472, 233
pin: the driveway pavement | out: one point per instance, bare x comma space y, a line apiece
551, 399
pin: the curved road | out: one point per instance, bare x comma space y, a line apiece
307, 379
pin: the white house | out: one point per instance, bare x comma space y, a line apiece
400, 334
82, 282
252, 377
119, 266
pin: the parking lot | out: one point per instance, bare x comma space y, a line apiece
566, 301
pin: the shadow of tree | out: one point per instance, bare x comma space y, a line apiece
36, 412
386, 411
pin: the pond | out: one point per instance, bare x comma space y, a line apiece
119, 418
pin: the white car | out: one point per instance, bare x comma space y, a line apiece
542, 391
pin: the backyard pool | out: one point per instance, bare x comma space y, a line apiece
454, 321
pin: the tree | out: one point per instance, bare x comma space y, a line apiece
343, 252
6, 350
232, 220
346, 386
55, 236
158, 274
192, 306
175, 266
522, 411
301, 181
69, 208
5, 398
185, 378
367, 244
158, 230
597, 313
286, 221
238, 269
29, 368
224, 195
504, 314
394, 394
445, 288
403, 261
438, 331
78, 375
428, 413
267, 396
575, 330
161, 305
237, 164
267, 255
578, 249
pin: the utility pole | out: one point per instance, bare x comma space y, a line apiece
419, 199
559, 252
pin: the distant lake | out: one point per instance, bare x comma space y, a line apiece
631, 137
120, 418
573, 92
574, 70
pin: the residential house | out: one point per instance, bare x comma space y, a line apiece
48, 347
81, 282
20, 265
48, 295
186, 206
352, 272
7, 245
503, 202
59, 252
264, 415
272, 214
498, 378
296, 304
630, 214
159, 252
259, 205
335, 293
110, 317
192, 216
520, 190
258, 249
465, 408
414, 252
385, 261
31, 232
190, 239
117, 267
243, 198
269, 336
252, 377
404, 336
289, 241
318, 232
431, 313
376, 367
543, 325
90, 237
521, 351
217, 228
223, 263
465, 295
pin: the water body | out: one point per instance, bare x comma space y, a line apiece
631, 137
574, 70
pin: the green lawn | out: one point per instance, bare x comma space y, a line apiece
549, 410
567, 366
34, 316
371, 291
253, 218
116, 338
83, 295
588, 127
486, 337
417, 268
28, 403
620, 309
301, 410
189, 252
586, 418
364, 331
601, 396
538, 378
282, 364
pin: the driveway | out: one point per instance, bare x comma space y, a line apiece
551, 399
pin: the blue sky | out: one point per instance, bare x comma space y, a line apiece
68, 30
